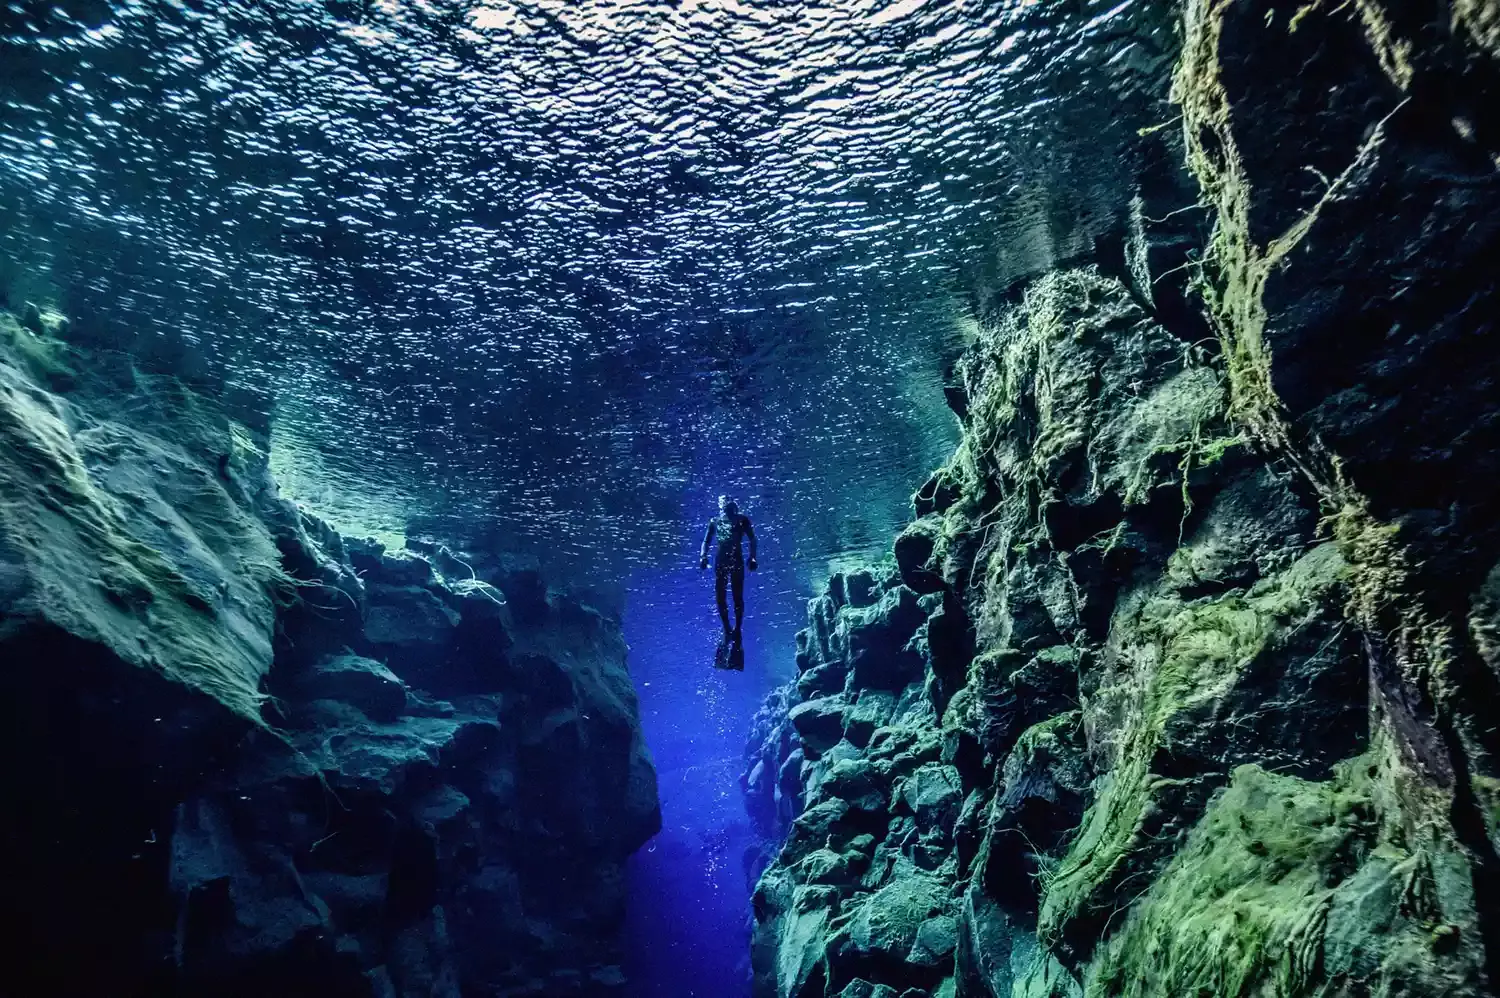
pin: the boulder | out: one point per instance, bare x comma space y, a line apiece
409, 615
886, 925
914, 548
819, 723
878, 636
357, 681
872, 710
933, 795
860, 988
935, 942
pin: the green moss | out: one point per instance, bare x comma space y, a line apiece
1054, 745
1176, 659
1234, 269
1114, 828
986, 686
1027, 409
1194, 654
1486, 790
1073, 389
1212, 451
1044, 739
1381, 596
1170, 422
1232, 281
1240, 910
1291, 887
1481, 19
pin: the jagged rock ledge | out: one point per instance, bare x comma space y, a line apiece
1181, 680
247, 756
1102, 725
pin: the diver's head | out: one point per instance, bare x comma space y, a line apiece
727, 506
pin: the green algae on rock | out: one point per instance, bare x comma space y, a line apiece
1285, 886
1148, 769
127, 538
1226, 607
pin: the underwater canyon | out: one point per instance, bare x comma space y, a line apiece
1114, 389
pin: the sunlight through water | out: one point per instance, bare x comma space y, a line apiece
525, 272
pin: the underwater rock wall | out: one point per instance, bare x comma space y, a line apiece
771, 782
248, 756
1181, 680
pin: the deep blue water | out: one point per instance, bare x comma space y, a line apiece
690, 899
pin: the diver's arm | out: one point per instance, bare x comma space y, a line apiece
750, 533
703, 554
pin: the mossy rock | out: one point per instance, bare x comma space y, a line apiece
938, 493
861, 988
1283, 888
824, 866
1049, 762
1253, 527
1187, 698
819, 723
872, 710
886, 924
129, 540
1076, 391
914, 549
933, 795
37, 346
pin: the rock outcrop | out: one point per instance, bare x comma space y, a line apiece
772, 778
1179, 681
1103, 724
250, 757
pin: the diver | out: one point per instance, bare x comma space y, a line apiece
728, 530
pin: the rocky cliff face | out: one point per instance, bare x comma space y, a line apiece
249, 757
1179, 681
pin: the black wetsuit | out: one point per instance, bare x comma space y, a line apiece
725, 533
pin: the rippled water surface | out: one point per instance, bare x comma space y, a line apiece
557, 273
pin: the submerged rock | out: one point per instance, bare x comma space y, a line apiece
1173, 685
362, 683
259, 759
119, 537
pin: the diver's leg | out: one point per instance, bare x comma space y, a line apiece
721, 579
738, 581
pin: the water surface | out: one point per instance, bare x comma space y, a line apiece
526, 270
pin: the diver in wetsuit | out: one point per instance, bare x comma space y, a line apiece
726, 531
